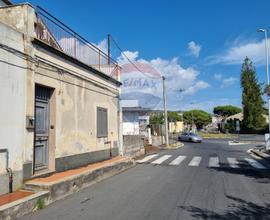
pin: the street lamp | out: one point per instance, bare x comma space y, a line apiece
266, 52
267, 74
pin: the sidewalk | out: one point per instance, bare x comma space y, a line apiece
67, 182
40, 192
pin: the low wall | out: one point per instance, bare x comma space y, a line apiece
160, 140
78, 160
133, 145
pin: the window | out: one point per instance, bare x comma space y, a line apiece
102, 122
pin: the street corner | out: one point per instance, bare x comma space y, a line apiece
235, 142
172, 146
175, 146
259, 153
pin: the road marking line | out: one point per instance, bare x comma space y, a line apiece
255, 163
213, 162
233, 163
178, 160
195, 161
161, 159
147, 158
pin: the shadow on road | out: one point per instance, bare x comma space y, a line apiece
239, 209
260, 175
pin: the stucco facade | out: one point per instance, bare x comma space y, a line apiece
76, 91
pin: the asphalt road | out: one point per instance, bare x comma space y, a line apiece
179, 191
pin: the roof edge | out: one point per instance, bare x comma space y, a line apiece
75, 61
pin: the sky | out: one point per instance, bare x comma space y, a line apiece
198, 46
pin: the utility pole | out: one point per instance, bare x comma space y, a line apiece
267, 79
109, 49
165, 112
192, 121
192, 117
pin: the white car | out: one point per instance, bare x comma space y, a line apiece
190, 136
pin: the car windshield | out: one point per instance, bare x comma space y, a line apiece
192, 134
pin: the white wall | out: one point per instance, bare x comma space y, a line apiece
129, 103
12, 108
131, 123
131, 128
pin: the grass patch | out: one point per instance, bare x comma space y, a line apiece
40, 204
219, 135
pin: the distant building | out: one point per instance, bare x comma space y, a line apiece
135, 118
240, 116
176, 127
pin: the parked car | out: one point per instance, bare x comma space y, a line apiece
190, 136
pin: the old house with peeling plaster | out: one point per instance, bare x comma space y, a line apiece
59, 97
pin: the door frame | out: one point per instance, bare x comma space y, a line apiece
50, 166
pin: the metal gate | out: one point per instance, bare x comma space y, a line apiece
42, 121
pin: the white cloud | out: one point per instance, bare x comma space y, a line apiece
102, 45
237, 53
194, 48
132, 56
218, 76
177, 77
196, 87
225, 82
228, 82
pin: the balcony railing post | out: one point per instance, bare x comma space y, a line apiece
75, 45
99, 59
52, 31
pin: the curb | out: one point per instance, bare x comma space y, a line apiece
173, 147
260, 154
62, 188
49, 192
235, 143
23, 206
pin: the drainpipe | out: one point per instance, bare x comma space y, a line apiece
120, 116
9, 170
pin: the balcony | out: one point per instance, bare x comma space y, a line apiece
59, 36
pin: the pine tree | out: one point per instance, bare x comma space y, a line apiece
252, 100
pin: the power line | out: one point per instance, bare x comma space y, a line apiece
132, 63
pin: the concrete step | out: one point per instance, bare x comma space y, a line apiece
65, 183
40, 192
19, 205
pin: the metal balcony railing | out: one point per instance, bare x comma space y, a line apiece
52, 31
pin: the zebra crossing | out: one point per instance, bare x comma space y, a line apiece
178, 160
233, 162
161, 159
196, 161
